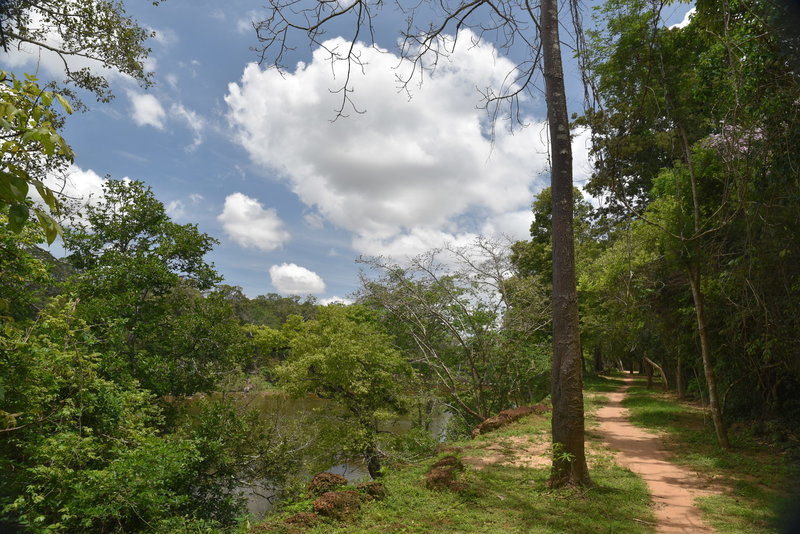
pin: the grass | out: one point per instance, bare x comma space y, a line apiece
756, 474
508, 499
504, 498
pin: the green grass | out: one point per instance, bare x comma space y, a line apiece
757, 475
505, 499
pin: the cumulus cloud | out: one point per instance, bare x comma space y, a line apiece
335, 300
412, 243
291, 279
406, 172
247, 222
77, 185
687, 18
176, 209
77, 188
147, 110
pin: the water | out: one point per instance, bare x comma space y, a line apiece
276, 405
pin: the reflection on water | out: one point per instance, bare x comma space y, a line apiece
275, 405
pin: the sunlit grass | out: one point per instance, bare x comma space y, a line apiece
502, 498
758, 478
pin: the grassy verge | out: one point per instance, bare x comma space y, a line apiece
501, 497
757, 475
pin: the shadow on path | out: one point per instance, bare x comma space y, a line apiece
672, 488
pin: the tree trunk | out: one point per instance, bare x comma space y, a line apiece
598, 359
569, 459
680, 383
644, 365
372, 457
654, 365
705, 352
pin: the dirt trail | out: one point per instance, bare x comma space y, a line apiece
673, 488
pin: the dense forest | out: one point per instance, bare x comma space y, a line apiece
123, 364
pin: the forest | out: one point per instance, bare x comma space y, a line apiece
127, 365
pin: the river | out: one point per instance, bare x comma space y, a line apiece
275, 404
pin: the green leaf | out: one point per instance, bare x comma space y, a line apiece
17, 217
51, 228
64, 104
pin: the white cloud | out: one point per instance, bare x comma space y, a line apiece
314, 221
172, 80
85, 187
516, 225
411, 244
247, 222
196, 198
581, 162
245, 24
147, 110
164, 36
687, 18
291, 279
407, 173
176, 209
335, 300
193, 121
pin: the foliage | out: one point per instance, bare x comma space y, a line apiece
97, 30
150, 272
695, 140
22, 273
31, 147
81, 452
270, 310
450, 311
343, 356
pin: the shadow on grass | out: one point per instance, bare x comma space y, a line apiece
758, 476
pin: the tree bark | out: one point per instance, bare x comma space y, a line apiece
660, 370
598, 359
705, 352
569, 458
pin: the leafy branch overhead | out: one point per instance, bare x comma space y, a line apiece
98, 32
31, 147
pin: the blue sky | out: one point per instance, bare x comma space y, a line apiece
255, 160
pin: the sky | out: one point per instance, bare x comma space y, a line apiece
255, 158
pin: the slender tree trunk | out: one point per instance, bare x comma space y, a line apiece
705, 352
654, 365
699, 306
569, 458
680, 383
598, 359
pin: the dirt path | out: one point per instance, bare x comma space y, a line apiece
673, 488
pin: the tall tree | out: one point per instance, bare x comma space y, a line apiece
149, 271
343, 356
695, 137
511, 25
